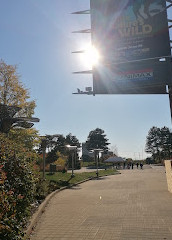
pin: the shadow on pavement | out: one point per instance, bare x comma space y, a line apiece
99, 178
75, 187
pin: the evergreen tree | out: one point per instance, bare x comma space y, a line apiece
159, 143
72, 140
97, 140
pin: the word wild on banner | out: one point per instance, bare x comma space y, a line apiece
131, 32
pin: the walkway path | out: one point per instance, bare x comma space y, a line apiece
132, 205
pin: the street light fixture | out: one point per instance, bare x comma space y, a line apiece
96, 155
8, 119
73, 150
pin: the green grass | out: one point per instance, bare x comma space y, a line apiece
64, 179
92, 164
87, 164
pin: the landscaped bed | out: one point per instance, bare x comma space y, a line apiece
65, 179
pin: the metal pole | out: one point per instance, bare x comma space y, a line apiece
73, 162
97, 164
170, 99
94, 156
75, 158
43, 152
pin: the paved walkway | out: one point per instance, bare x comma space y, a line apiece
132, 205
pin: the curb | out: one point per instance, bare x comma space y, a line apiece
41, 208
39, 212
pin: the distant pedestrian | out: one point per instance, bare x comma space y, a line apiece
137, 165
141, 165
128, 166
124, 165
132, 165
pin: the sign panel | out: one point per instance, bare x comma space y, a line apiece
143, 77
127, 30
131, 36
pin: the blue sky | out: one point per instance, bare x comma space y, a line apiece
36, 35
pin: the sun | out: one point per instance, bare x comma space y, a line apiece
90, 56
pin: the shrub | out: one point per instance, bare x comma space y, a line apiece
42, 189
17, 188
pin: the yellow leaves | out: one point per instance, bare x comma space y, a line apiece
27, 137
62, 159
12, 91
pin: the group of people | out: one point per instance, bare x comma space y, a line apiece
131, 165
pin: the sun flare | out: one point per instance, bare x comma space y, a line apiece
90, 56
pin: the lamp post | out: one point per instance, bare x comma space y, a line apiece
45, 141
96, 157
44, 145
73, 150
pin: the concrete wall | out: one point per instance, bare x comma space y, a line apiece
168, 166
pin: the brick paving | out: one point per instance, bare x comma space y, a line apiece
134, 205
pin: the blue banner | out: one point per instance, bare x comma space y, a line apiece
131, 36
127, 30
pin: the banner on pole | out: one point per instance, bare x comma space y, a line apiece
131, 36
141, 77
128, 30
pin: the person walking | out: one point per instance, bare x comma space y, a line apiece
141, 165
137, 165
132, 165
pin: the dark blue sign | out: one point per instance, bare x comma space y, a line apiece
131, 36
141, 77
129, 30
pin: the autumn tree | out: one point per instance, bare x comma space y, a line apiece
12, 91
58, 144
29, 138
17, 156
54, 145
